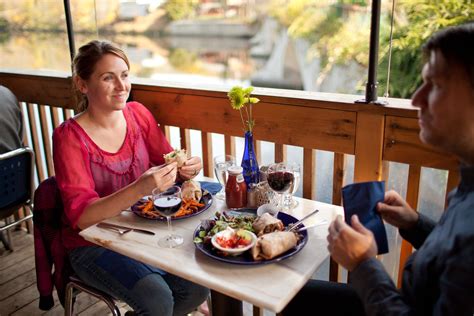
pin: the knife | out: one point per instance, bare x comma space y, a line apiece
138, 230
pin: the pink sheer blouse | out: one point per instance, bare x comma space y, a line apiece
85, 172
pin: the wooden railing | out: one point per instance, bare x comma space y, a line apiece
331, 122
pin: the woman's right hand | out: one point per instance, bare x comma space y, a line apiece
396, 211
161, 177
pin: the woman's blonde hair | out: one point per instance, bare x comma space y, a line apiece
84, 63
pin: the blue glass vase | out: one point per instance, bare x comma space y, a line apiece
249, 161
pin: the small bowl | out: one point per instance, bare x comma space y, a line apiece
267, 208
233, 251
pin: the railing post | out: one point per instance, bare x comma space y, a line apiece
369, 147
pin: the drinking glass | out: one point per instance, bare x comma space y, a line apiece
167, 203
221, 163
280, 178
288, 202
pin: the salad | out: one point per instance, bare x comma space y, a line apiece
220, 222
230, 238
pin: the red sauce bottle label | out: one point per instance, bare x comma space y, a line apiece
235, 189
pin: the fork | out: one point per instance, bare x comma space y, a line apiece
120, 231
295, 225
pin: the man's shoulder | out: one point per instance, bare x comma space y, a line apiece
8, 98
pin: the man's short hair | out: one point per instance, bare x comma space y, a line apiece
456, 43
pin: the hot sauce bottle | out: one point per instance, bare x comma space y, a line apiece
235, 189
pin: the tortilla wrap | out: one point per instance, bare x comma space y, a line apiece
191, 190
271, 245
178, 155
267, 224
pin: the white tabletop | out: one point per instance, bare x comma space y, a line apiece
269, 286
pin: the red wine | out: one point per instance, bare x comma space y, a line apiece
280, 181
167, 206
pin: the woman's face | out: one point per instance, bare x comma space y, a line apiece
109, 86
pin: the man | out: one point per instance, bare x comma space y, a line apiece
11, 129
11, 122
438, 278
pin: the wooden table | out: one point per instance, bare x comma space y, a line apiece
269, 286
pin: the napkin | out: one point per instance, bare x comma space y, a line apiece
211, 187
361, 199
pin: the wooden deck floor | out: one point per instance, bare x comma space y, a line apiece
18, 292
19, 295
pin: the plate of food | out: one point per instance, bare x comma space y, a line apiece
195, 201
273, 242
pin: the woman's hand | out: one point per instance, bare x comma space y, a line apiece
161, 177
349, 246
396, 211
190, 169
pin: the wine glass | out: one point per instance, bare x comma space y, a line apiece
167, 203
280, 178
290, 203
221, 163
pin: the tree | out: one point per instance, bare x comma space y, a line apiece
339, 32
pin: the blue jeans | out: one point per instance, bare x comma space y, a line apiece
149, 291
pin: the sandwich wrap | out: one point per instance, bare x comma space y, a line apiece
191, 190
266, 224
178, 155
271, 245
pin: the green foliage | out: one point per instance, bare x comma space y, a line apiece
423, 18
180, 9
181, 58
240, 99
4, 30
339, 32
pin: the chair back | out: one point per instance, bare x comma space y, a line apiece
51, 261
16, 180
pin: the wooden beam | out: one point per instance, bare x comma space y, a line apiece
47, 147
280, 152
229, 145
185, 139
402, 144
309, 166
369, 146
208, 164
413, 189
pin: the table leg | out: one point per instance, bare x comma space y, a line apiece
223, 305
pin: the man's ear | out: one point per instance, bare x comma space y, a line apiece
80, 84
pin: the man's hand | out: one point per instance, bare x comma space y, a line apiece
349, 246
396, 211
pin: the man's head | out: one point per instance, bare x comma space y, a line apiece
446, 97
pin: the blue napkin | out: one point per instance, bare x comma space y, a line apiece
361, 199
211, 187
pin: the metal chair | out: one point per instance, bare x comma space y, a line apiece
75, 285
52, 264
16, 185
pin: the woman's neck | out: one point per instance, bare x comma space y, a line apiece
103, 119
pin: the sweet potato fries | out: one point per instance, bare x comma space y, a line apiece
187, 207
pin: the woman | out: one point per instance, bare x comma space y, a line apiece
106, 158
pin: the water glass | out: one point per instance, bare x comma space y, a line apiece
221, 164
288, 202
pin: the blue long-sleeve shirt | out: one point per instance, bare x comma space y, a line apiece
438, 279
